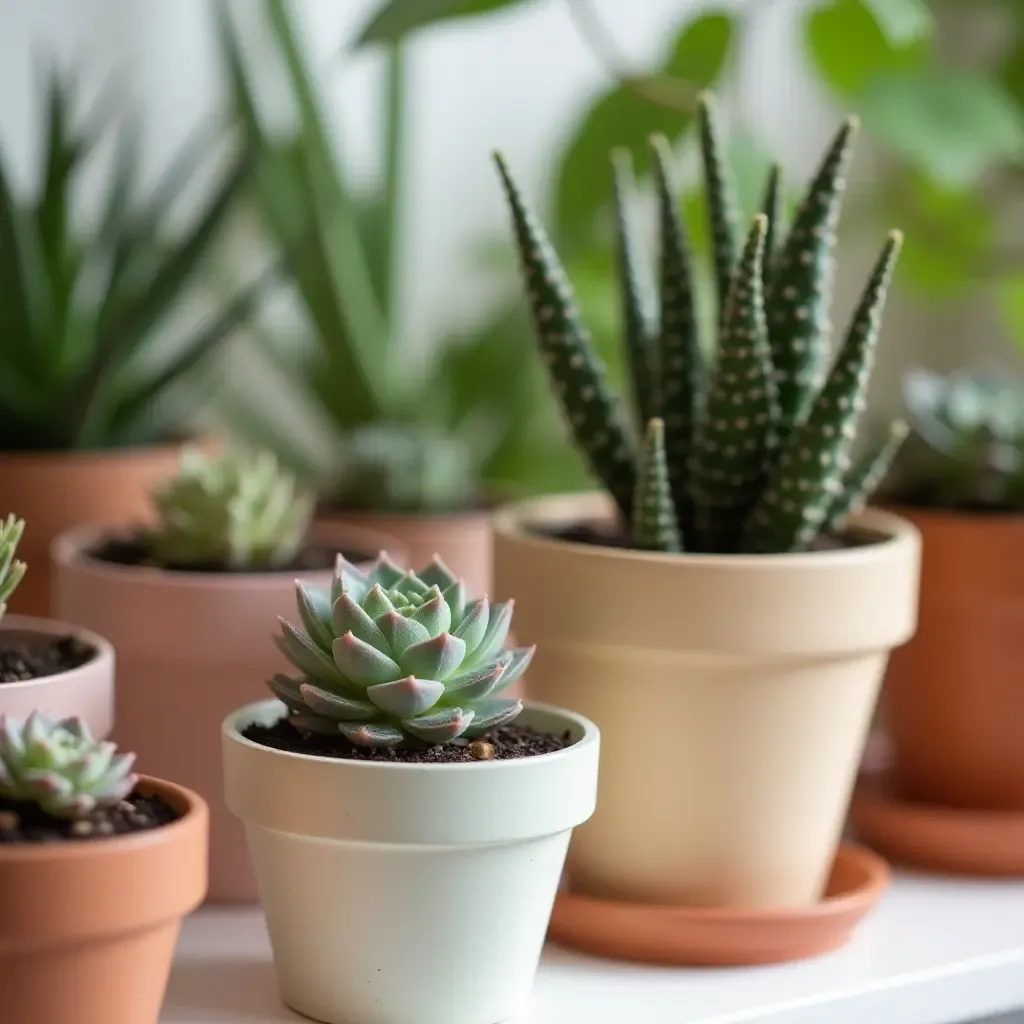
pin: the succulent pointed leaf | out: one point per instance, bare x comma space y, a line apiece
401, 633
498, 624
434, 614
46, 782
410, 583
336, 706
455, 598
490, 714
384, 571
521, 659
369, 735
808, 475
377, 603
437, 574
477, 683
304, 654
286, 690
655, 527
349, 617
363, 665
797, 301
436, 658
315, 612
318, 724
405, 698
736, 430
439, 726
771, 207
348, 579
473, 627
577, 373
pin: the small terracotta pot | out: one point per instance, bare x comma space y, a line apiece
953, 701
733, 694
88, 929
55, 491
190, 647
462, 539
86, 692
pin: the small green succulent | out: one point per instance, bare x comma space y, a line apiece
392, 657
750, 451
968, 450
11, 570
239, 510
60, 767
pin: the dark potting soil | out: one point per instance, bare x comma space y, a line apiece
26, 823
502, 744
134, 551
22, 660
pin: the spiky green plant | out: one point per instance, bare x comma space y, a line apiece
969, 441
85, 357
237, 510
755, 446
392, 657
11, 569
60, 767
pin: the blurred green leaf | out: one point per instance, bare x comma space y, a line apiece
622, 118
852, 43
1010, 296
955, 125
397, 18
902, 21
1011, 73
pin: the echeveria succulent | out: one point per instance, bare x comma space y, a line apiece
236, 510
11, 570
60, 767
391, 657
751, 452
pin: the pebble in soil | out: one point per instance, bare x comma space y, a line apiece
27, 823
507, 742
21, 660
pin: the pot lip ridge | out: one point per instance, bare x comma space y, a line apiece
965, 518
231, 730
103, 660
195, 816
513, 523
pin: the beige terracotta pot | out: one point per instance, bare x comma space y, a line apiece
733, 694
86, 692
88, 929
463, 540
191, 647
55, 491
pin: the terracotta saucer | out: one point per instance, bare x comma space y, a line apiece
724, 937
987, 844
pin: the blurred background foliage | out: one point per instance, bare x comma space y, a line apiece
945, 125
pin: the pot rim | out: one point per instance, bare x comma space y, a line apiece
232, 730
337, 515
513, 522
93, 455
963, 517
70, 550
194, 807
103, 658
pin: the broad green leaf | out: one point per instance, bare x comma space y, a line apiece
397, 18
621, 118
954, 125
852, 44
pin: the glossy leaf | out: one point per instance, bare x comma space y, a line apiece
397, 18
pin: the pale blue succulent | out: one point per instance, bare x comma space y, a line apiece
391, 657
60, 767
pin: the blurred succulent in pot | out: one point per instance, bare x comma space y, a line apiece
11, 569
392, 657
968, 450
406, 469
239, 510
751, 453
60, 767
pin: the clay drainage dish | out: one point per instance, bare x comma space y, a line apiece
725, 937
987, 844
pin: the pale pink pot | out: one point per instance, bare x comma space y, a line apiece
86, 692
191, 647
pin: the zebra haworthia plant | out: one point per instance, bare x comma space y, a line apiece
11, 569
390, 657
752, 452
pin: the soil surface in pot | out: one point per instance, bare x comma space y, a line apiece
505, 743
26, 823
25, 659
134, 551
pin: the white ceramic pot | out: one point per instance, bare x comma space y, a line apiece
86, 692
408, 894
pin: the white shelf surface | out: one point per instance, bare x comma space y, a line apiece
935, 951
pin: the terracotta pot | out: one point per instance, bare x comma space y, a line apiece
86, 692
463, 540
954, 697
55, 491
88, 929
733, 694
190, 647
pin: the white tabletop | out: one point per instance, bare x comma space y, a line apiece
935, 951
